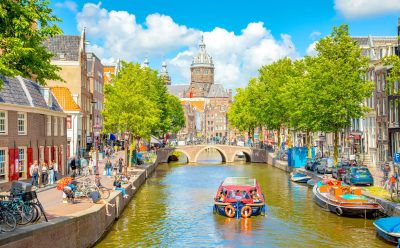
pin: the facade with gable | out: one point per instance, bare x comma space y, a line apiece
205, 103
32, 127
70, 55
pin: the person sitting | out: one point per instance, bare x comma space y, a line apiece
221, 196
255, 196
96, 198
69, 191
117, 185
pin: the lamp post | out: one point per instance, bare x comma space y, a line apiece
94, 141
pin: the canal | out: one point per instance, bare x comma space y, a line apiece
174, 208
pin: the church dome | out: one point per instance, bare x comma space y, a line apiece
202, 59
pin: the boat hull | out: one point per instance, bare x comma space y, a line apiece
389, 238
300, 179
364, 210
256, 210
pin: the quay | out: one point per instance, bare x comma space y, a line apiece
76, 225
390, 208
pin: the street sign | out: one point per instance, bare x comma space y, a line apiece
396, 158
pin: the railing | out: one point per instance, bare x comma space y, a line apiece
258, 145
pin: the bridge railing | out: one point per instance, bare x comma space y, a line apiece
258, 145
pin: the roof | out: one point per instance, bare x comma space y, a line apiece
64, 98
64, 47
375, 41
199, 105
24, 92
178, 90
217, 90
239, 181
202, 59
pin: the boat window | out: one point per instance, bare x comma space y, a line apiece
362, 171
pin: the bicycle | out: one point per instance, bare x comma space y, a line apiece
8, 223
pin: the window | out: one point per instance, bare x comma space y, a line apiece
61, 126
21, 123
55, 126
205, 72
3, 122
48, 125
3, 163
197, 71
22, 160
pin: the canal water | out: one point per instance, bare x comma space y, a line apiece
174, 208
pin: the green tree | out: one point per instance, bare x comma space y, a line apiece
337, 75
176, 116
132, 102
393, 75
275, 88
25, 25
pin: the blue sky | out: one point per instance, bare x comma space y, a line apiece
240, 35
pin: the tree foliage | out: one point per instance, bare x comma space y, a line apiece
24, 26
321, 93
137, 102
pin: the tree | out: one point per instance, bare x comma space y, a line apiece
132, 102
276, 90
176, 116
25, 25
393, 75
337, 74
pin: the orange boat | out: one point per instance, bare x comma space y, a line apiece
343, 199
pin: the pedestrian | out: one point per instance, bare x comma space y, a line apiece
120, 162
55, 170
78, 165
85, 167
51, 174
124, 167
96, 198
73, 166
34, 172
118, 186
44, 174
108, 167
90, 166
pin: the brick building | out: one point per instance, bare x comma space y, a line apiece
70, 55
32, 127
205, 103
95, 77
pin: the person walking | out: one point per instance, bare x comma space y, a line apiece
55, 170
78, 165
108, 167
120, 162
51, 174
44, 174
85, 167
34, 172
73, 166
90, 166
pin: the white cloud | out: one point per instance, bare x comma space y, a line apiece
237, 57
71, 5
314, 35
363, 8
311, 49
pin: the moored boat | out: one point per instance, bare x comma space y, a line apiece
299, 177
343, 199
239, 197
389, 229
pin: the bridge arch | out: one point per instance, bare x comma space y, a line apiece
190, 160
220, 150
246, 153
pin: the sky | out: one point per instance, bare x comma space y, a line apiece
241, 36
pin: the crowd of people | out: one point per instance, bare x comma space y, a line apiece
43, 174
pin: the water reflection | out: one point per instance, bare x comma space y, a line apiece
174, 209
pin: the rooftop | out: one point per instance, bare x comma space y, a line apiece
64, 98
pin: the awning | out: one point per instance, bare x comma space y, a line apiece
154, 140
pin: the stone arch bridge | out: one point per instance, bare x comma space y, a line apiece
227, 153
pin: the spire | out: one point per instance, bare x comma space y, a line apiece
202, 45
164, 75
146, 62
202, 58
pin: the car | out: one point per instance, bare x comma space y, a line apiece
358, 176
311, 164
340, 170
325, 166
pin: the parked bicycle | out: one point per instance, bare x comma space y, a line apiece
86, 186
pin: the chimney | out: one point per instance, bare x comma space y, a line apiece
230, 94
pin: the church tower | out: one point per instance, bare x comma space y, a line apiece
164, 75
202, 73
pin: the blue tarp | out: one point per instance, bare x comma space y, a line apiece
297, 156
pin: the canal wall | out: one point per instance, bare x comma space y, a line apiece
81, 229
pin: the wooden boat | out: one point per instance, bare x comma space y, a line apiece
299, 177
389, 229
343, 199
239, 197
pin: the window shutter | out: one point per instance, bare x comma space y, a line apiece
29, 161
12, 174
46, 155
60, 168
53, 153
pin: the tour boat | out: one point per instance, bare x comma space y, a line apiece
343, 199
389, 229
239, 197
299, 177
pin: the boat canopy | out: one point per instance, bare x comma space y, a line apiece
242, 181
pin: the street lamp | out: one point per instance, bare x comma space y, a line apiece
322, 140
